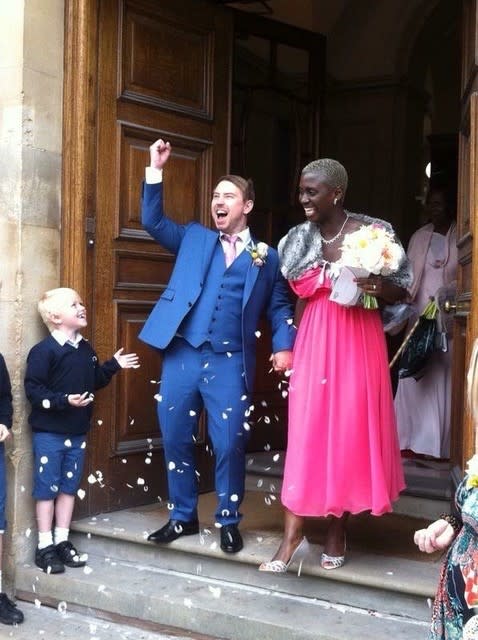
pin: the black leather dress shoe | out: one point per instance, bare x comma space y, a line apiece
231, 539
173, 530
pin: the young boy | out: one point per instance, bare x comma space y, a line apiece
62, 373
9, 614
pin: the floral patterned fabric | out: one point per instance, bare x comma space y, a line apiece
459, 572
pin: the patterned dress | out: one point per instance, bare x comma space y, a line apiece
459, 572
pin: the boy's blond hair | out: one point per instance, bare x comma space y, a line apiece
52, 302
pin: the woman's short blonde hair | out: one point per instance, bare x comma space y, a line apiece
54, 301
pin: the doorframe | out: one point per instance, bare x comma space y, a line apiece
79, 143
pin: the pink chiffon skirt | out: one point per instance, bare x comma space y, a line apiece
342, 453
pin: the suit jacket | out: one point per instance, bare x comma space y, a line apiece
193, 244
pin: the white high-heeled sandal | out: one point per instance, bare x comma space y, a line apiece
332, 562
278, 566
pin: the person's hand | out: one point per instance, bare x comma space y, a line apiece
127, 360
439, 535
281, 361
4, 433
381, 288
80, 399
371, 284
159, 153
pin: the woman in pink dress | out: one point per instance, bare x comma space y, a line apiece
342, 455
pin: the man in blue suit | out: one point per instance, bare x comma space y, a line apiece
205, 322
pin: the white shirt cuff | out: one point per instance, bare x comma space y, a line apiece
153, 175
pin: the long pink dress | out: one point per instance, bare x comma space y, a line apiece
342, 452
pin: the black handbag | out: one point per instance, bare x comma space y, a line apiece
421, 345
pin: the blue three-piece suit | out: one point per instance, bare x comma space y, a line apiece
206, 322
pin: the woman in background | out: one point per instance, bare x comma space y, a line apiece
423, 406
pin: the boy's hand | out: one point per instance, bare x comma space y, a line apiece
4, 432
81, 399
127, 360
159, 153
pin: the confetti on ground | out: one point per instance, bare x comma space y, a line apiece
62, 607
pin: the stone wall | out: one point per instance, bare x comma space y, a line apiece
31, 77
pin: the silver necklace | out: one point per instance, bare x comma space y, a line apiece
337, 235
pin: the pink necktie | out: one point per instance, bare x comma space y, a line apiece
229, 248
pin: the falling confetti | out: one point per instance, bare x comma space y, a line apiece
171, 465
234, 497
44, 459
91, 479
147, 460
158, 397
67, 442
81, 493
99, 422
192, 413
276, 457
28, 533
258, 334
140, 481
83, 445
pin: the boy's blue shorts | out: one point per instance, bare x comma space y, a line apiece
3, 488
58, 464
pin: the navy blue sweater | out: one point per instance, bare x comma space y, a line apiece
6, 408
53, 373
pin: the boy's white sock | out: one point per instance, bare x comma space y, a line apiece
61, 534
45, 539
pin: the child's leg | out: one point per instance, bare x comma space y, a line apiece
44, 512
47, 450
70, 477
64, 506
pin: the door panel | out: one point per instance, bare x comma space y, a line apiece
162, 71
466, 319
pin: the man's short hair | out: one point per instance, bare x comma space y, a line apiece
246, 187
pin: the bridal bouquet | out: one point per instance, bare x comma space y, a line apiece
372, 249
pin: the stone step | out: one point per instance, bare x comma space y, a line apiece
48, 623
234, 608
192, 585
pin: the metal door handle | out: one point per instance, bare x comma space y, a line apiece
449, 306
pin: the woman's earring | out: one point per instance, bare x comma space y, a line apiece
335, 201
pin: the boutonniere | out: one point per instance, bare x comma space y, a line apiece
258, 253
472, 472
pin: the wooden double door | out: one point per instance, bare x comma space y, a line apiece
137, 70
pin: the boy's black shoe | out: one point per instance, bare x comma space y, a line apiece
69, 555
9, 614
48, 560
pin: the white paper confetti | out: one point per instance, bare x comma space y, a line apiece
81, 493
